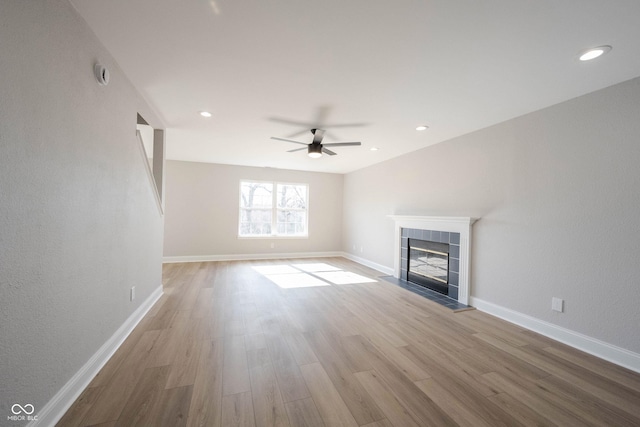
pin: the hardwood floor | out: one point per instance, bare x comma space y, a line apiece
227, 346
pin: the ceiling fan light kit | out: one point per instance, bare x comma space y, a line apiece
314, 151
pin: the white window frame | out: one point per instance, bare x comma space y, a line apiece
274, 211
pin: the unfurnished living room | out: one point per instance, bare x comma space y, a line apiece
319, 213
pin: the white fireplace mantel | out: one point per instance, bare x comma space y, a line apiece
460, 225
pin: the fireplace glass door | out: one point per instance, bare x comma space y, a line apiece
429, 264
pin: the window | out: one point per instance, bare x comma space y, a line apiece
273, 209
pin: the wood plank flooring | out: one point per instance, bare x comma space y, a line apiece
261, 343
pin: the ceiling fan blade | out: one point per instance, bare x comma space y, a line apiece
290, 122
296, 134
289, 140
346, 125
321, 115
341, 144
329, 152
318, 134
331, 135
296, 149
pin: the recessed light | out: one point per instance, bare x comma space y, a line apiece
205, 114
594, 53
374, 149
422, 127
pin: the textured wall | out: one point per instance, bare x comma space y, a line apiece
558, 194
202, 206
78, 221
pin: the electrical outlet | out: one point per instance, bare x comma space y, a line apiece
132, 295
557, 304
273, 245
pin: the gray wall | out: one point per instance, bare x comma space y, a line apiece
558, 194
79, 224
202, 207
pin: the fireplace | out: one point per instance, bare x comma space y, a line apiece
428, 264
431, 258
454, 233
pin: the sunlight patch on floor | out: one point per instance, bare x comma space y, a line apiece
344, 277
300, 280
316, 266
289, 276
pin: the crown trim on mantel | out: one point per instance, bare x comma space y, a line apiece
454, 224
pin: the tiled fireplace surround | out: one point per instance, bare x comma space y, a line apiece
456, 231
452, 239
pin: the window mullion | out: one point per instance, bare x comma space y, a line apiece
274, 210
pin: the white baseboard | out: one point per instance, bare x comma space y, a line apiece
51, 413
368, 263
293, 255
601, 349
243, 257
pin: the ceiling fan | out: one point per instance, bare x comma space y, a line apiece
319, 122
316, 148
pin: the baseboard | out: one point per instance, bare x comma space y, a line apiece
244, 257
51, 413
382, 268
601, 349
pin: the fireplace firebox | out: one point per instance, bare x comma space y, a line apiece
428, 264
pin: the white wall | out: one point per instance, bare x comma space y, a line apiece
79, 223
202, 207
558, 194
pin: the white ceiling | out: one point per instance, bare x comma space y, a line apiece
455, 65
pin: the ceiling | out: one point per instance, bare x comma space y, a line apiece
456, 66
